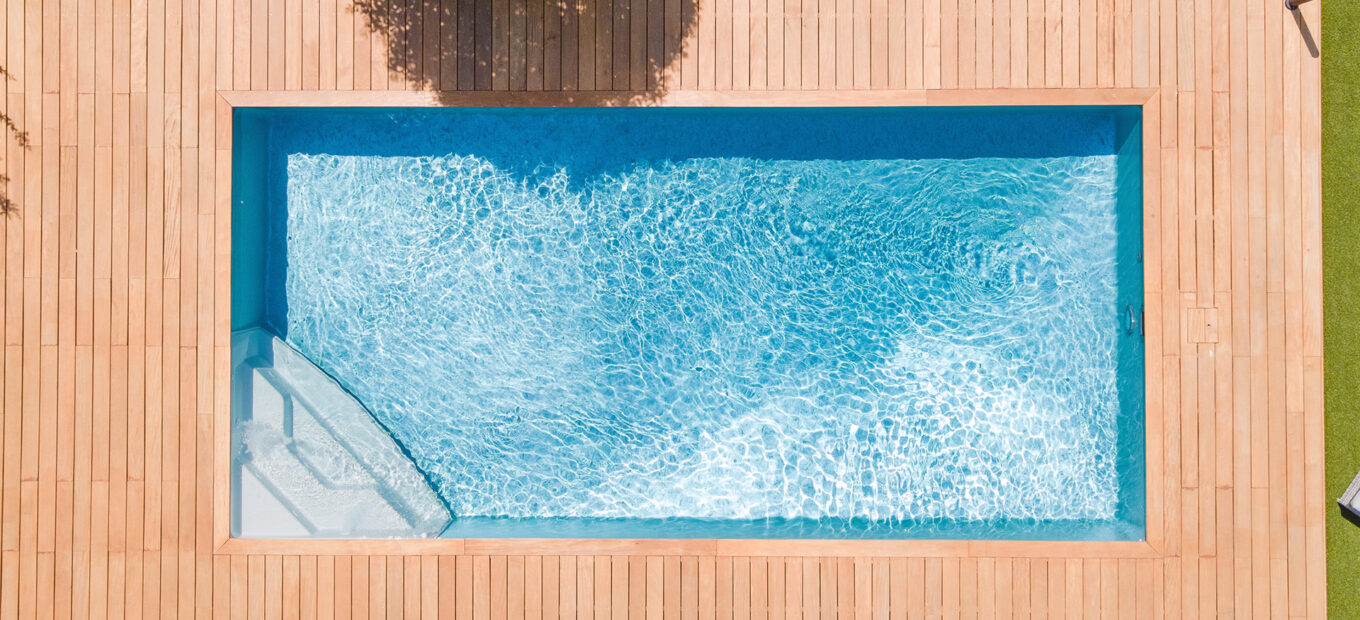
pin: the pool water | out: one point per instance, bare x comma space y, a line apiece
837, 323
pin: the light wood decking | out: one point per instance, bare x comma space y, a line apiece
116, 284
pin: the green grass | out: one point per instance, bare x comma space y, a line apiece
1341, 291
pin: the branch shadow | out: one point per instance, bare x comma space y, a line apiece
7, 204
624, 52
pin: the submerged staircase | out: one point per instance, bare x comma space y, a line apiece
309, 461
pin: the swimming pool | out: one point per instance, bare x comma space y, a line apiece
772, 323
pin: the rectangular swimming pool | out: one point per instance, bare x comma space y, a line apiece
719, 322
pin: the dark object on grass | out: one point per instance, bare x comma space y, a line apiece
1350, 500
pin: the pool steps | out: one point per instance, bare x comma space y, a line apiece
309, 461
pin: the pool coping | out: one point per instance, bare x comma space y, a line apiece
1151, 547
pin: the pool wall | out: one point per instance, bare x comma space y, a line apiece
250, 225
1132, 461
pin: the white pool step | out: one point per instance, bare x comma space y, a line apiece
309, 461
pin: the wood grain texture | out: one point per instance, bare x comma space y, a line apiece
115, 302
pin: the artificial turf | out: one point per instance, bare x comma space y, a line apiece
1341, 291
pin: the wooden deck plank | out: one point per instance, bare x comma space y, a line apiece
1020, 44
810, 588
1031, 30
597, 590
532, 571
356, 588
931, 43
933, 586
984, 593
967, 44
1004, 595
844, 587
950, 587
949, 43
741, 588
618, 591
826, 588
551, 586
984, 55
741, 44
819, 41
1020, 588
1001, 44
1038, 588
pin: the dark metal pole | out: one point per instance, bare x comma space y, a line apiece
1293, 5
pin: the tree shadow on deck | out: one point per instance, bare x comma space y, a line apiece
622, 52
7, 204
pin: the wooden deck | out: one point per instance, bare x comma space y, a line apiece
116, 284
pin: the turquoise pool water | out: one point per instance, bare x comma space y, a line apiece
837, 323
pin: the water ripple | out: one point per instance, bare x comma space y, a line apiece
724, 337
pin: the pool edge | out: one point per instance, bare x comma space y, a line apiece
1147, 100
